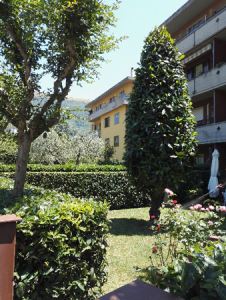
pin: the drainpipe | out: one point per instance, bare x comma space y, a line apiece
213, 51
7, 255
214, 106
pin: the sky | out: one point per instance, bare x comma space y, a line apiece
136, 19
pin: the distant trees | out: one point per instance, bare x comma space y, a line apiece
61, 38
160, 139
52, 148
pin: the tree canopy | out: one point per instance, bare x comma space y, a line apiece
160, 139
61, 38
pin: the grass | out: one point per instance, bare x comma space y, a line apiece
130, 245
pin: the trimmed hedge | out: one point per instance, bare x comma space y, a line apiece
61, 244
65, 168
114, 187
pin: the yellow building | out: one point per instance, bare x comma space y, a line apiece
108, 114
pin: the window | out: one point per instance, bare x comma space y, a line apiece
94, 127
199, 70
107, 141
107, 122
112, 99
121, 94
198, 113
116, 141
190, 74
205, 67
200, 159
116, 118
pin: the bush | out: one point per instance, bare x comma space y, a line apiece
66, 168
61, 244
8, 147
111, 186
194, 184
202, 278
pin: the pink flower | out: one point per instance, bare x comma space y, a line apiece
152, 217
210, 222
207, 209
174, 201
175, 245
163, 205
159, 227
191, 208
222, 208
173, 208
211, 207
154, 249
168, 192
202, 209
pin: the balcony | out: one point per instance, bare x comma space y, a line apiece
109, 107
212, 133
210, 80
207, 29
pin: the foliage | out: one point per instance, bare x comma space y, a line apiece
53, 148
160, 139
202, 278
66, 168
187, 264
114, 187
8, 147
108, 156
86, 148
61, 244
63, 39
49, 148
194, 183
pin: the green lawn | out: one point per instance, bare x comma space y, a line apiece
130, 245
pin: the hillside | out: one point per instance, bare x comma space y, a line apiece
81, 126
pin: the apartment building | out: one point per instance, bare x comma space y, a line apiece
199, 28
107, 114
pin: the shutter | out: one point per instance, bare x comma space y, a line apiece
198, 113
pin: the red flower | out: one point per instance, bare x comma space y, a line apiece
175, 245
159, 227
154, 249
174, 201
152, 217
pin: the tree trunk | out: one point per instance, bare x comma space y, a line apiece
24, 145
156, 201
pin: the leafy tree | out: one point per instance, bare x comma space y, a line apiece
54, 148
160, 138
50, 148
64, 39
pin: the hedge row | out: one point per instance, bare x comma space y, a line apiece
65, 168
111, 186
61, 244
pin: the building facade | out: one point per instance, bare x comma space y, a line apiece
199, 29
107, 114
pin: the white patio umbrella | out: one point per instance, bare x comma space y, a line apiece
213, 182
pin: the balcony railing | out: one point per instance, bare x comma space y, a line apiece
212, 133
207, 81
207, 29
109, 107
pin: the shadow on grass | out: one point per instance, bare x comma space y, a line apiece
129, 227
